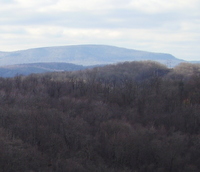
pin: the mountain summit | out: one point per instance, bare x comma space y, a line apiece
83, 55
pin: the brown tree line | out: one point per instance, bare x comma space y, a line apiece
128, 117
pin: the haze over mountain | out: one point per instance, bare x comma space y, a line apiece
26, 69
83, 55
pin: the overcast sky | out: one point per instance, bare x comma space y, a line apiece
168, 26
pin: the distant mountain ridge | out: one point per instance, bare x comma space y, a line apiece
83, 55
26, 69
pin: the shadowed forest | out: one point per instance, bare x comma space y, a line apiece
128, 117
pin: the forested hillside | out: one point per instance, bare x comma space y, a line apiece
129, 117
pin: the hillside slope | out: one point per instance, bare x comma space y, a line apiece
133, 116
26, 69
83, 55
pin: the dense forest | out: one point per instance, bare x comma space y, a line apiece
127, 117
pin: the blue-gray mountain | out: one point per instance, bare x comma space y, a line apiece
83, 55
75, 57
26, 69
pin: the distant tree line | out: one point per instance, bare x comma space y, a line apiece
128, 117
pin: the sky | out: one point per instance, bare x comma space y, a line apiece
167, 26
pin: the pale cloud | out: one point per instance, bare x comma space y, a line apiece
171, 26
158, 6
91, 5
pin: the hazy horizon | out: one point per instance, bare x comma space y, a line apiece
148, 25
